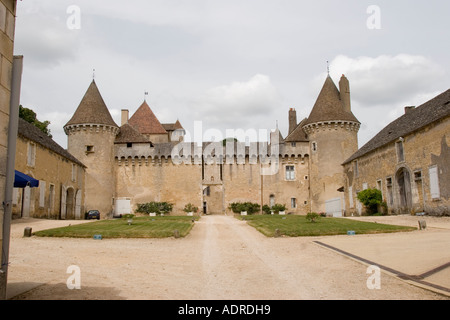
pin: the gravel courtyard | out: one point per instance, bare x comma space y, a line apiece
224, 258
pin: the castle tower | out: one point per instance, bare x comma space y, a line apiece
332, 131
91, 132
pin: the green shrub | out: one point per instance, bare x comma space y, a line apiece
156, 207
312, 217
238, 207
266, 209
278, 207
190, 208
370, 198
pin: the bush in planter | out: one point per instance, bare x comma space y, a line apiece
238, 207
156, 207
190, 208
266, 209
278, 207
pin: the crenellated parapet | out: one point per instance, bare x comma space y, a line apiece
208, 153
90, 128
332, 125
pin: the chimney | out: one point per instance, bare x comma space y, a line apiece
292, 120
344, 88
124, 117
409, 109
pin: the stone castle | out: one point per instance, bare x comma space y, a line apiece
143, 160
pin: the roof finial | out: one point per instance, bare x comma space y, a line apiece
328, 67
145, 95
93, 74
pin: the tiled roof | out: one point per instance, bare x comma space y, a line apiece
297, 135
128, 134
29, 131
145, 121
436, 109
172, 126
92, 109
329, 106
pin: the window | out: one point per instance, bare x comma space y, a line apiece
418, 175
355, 167
31, 154
390, 193
129, 145
400, 153
434, 183
314, 146
89, 149
290, 173
293, 203
293, 144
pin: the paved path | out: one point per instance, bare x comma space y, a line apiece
222, 258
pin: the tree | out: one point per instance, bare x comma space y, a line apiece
370, 198
30, 116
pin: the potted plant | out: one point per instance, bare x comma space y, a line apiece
190, 209
279, 208
129, 218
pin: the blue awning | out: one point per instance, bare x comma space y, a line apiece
21, 180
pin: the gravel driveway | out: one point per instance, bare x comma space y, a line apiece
222, 258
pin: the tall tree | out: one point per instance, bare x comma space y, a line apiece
30, 116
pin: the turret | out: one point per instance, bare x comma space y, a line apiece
91, 133
332, 130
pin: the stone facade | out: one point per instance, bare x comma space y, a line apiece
409, 161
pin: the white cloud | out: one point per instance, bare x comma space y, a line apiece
238, 104
388, 79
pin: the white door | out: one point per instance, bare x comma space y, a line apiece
333, 207
123, 206
26, 202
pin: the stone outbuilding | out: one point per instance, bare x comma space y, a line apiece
408, 160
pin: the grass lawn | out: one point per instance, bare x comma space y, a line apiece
298, 226
142, 227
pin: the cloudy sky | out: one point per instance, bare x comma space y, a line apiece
231, 64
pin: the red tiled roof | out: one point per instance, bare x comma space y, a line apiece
145, 121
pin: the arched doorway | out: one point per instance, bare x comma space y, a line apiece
404, 194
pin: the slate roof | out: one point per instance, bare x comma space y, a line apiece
297, 135
92, 109
172, 126
29, 131
145, 121
329, 106
128, 134
434, 110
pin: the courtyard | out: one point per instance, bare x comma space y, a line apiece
224, 258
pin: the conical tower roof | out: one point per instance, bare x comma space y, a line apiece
329, 106
92, 109
145, 121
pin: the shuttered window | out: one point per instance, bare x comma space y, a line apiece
434, 183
